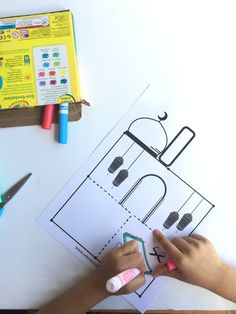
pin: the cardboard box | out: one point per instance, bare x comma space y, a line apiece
38, 62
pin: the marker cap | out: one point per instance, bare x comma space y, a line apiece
113, 285
171, 265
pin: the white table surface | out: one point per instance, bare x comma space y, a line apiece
186, 49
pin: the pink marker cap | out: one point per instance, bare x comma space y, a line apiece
171, 265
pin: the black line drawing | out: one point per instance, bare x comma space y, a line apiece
155, 152
187, 217
138, 149
123, 174
159, 253
158, 202
168, 147
171, 219
117, 162
164, 117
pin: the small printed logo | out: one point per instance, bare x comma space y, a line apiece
63, 81
46, 64
45, 55
42, 74
56, 63
15, 34
42, 83
45, 21
53, 82
52, 73
24, 33
26, 59
56, 54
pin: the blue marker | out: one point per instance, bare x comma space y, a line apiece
63, 123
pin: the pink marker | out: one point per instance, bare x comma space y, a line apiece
115, 283
171, 265
47, 117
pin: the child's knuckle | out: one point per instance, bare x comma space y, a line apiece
175, 240
112, 255
117, 265
134, 244
181, 261
140, 258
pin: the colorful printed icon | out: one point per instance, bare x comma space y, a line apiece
24, 33
55, 54
1, 82
63, 81
63, 72
42, 83
15, 35
65, 98
26, 59
56, 63
52, 73
27, 76
53, 82
45, 55
20, 104
46, 64
42, 74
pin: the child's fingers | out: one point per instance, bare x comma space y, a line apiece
135, 284
160, 271
164, 271
169, 247
129, 248
133, 260
191, 240
183, 245
199, 237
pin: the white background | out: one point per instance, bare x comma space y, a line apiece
186, 50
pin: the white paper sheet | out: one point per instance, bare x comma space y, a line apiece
96, 210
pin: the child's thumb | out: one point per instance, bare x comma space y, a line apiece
164, 271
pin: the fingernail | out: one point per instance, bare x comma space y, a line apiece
156, 232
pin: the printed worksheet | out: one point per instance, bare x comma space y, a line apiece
127, 188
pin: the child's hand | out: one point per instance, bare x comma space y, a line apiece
117, 260
195, 258
92, 288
